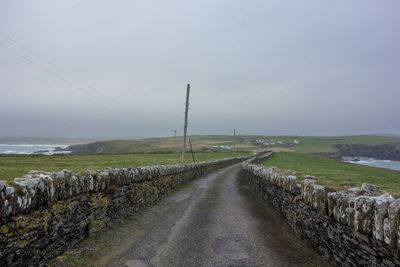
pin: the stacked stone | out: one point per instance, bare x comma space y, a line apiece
364, 210
44, 213
39, 188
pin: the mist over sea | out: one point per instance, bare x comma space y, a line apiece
388, 164
31, 149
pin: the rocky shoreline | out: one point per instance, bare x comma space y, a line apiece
90, 148
382, 152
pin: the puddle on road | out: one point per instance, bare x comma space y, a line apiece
136, 263
232, 250
180, 198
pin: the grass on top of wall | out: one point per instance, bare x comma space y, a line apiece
16, 166
336, 174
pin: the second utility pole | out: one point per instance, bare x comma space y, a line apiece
185, 125
234, 143
175, 146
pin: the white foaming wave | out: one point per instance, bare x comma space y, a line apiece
30, 145
27, 149
365, 162
362, 161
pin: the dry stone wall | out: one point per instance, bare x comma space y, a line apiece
45, 213
356, 227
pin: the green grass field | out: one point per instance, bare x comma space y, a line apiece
336, 174
16, 166
309, 144
329, 172
165, 144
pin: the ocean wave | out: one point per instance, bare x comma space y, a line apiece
39, 145
27, 149
365, 162
361, 162
388, 164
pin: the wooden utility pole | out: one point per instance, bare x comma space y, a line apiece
176, 148
186, 122
191, 150
234, 142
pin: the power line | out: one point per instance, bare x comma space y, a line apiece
73, 77
29, 60
45, 69
70, 76
41, 67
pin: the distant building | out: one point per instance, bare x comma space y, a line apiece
265, 142
296, 142
216, 148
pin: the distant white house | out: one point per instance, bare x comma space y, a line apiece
265, 142
279, 142
216, 148
296, 142
221, 147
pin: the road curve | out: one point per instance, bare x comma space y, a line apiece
216, 221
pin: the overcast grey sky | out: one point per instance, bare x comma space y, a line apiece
263, 67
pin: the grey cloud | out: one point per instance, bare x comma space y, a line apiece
264, 67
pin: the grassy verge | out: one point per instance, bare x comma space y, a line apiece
16, 166
336, 174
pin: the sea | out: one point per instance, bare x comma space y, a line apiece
388, 164
28, 149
